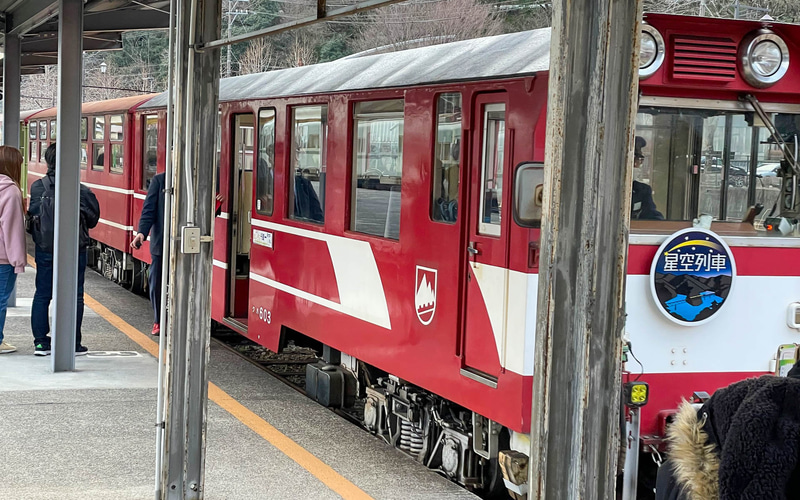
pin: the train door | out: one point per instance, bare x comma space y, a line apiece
241, 198
487, 251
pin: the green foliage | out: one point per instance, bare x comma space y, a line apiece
333, 49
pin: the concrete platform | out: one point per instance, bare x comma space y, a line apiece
89, 434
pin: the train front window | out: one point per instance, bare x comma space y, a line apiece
690, 162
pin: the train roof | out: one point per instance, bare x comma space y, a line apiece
510, 55
120, 104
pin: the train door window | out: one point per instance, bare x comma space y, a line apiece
84, 128
53, 130
446, 158
377, 167
494, 133
266, 162
43, 130
149, 150
309, 145
115, 136
84, 155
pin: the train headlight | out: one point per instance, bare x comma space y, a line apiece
651, 51
764, 58
636, 393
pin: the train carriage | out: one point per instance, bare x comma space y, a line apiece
386, 209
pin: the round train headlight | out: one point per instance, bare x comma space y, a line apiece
651, 51
764, 58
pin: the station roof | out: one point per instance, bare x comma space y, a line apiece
104, 21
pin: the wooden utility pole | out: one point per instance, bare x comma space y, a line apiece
577, 372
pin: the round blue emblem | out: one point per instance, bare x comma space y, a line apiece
692, 276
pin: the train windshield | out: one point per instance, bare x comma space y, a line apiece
702, 161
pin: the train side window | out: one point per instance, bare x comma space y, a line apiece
99, 128
33, 131
34, 151
265, 179
308, 150
115, 136
98, 156
84, 128
446, 158
377, 167
84, 155
43, 130
493, 158
53, 130
149, 150
528, 192
42, 149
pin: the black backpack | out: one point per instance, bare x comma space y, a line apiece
43, 226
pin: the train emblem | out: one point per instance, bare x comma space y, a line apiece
425, 295
692, 276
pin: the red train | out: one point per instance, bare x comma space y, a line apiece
386, 209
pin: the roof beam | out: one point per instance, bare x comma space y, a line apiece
30, 14
117, 20
47, 43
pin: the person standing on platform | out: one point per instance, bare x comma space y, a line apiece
12, 232
152, 222
42, 227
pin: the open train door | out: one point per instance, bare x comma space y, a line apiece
487, 238
241, 194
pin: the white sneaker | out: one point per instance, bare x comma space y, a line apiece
6, 348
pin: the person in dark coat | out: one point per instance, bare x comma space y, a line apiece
152, 222
743, 443
89, 217
642, 205
306, 201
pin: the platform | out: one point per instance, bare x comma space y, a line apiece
89, 434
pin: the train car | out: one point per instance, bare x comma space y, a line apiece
107, 150
409, 254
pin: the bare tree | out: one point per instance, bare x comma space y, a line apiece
780, 10
301, 51
259, 57
421, 22
40, 90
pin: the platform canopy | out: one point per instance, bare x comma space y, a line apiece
104, 21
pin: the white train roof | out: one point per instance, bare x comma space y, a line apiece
510, 55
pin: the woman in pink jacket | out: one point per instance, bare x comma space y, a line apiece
13, 256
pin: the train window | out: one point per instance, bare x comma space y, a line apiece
266, 161
149, 150
446, 158
53, 130
115, 128
84, 155
377, 167
116, 158
307, 184
33, 131
84, 128
43, 130
528, 192
42, 149
703, 161
98, 156
494, 133
99, 127
34, 151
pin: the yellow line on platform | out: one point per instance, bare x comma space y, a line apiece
276, 438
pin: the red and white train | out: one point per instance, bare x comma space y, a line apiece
387, 208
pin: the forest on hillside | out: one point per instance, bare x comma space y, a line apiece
141, 65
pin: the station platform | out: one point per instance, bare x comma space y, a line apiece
89, 434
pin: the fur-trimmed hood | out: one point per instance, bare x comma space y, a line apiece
744, 443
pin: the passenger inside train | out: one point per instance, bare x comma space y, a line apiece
642, 205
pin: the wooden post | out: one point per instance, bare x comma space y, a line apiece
577, 372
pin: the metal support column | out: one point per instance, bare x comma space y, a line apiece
68, 147
580, 316
194, 125
11, 98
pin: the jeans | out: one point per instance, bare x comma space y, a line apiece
7, 280
40, 321
154, 281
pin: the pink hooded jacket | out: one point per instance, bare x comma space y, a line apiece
12, 226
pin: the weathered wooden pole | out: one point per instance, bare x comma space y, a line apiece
580, 317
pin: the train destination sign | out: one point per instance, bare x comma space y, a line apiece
692, 276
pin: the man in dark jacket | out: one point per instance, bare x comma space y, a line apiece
743, 443
89, 216
152, 222
642, 205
